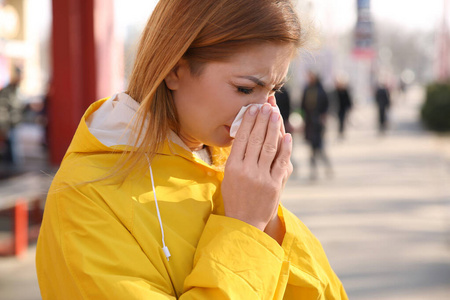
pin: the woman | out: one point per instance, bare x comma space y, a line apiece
151, 202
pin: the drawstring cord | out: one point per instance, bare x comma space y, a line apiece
164, 248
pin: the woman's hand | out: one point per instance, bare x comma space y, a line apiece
257, 168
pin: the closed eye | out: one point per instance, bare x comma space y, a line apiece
244, 90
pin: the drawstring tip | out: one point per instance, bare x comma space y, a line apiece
166, 252
165, 249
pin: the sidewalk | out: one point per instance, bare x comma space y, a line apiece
384, 219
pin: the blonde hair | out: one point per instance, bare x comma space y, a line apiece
199, 31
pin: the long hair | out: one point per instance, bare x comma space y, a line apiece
200, 31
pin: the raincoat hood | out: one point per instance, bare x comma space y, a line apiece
107, 126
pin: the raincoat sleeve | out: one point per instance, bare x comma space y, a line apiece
237, 261
310, 274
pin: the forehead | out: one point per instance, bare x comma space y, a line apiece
261, 60
263, 56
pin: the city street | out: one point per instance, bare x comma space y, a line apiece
383, 218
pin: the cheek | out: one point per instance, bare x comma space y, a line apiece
188, 99
221, 105
231, 108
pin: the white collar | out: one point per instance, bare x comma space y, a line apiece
112, 124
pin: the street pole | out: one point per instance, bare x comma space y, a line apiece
443, 56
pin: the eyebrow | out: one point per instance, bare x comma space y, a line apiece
259, 81
255, 80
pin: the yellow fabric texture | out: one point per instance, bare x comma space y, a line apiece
103, 241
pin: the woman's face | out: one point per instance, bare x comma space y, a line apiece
208, 103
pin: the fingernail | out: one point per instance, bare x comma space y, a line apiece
287, 138
266, 109
274, 118
253, 109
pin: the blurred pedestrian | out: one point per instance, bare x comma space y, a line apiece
155, 200
383, 102
11, 110
343, 102
314, 106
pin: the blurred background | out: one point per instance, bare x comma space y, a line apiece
372, 182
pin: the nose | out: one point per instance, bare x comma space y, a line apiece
269, 99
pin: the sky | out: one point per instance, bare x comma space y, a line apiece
408, 14
417, 14
337, 15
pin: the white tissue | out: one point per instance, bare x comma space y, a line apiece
238, 120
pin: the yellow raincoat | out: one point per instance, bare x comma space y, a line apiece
104, 241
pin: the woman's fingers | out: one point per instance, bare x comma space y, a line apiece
258, 137
258, 134
243, 133
271, 143
281, 167
272, 100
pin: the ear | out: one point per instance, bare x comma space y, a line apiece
172, 79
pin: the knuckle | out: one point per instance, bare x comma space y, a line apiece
284, 163
255, 140
263, 118
270, 148
241, 136
289, 171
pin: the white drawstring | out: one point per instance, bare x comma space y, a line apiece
164, 248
